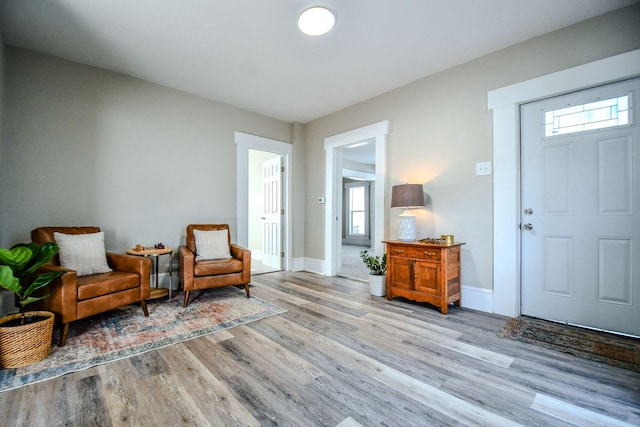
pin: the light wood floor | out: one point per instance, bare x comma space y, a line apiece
338, 357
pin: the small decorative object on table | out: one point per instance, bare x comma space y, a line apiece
444, 239
433, 240
158, 246
448, 239
377, 273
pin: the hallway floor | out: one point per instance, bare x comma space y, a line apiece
258, 267
352, 265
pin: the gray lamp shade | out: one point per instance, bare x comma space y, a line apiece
407, 196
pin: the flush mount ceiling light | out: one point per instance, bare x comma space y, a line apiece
316, 21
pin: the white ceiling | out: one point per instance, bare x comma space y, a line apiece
250, 54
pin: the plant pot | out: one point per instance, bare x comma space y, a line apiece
378, 285
22, 345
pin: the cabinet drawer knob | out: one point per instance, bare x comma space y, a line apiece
399, 250
429, 253
415, 276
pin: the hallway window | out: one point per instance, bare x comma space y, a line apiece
357, 211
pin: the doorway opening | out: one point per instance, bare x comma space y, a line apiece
337, 151
265, 211
358, 200
257, 206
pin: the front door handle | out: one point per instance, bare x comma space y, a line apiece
527, 226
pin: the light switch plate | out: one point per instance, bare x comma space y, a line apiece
483, 168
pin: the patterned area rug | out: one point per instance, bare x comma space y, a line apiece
604, 347
125, 332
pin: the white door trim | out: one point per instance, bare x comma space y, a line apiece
333, 187
505, 104
245, 142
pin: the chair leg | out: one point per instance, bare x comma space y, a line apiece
143, 303
186, 298
246, 289
65, 332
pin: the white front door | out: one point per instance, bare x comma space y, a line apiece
272, 212
580, 202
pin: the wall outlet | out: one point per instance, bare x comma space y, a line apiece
483, 168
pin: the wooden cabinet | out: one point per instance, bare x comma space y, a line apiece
424, 272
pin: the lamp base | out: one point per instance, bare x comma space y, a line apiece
406, 227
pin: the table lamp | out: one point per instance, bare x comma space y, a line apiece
407, 196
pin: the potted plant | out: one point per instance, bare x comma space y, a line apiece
25, 337
377, 266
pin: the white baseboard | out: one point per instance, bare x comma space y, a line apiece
296, 264
477, 298
307, 264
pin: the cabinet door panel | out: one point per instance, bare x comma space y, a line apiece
401, 273
427, 277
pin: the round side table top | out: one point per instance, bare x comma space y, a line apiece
150, 251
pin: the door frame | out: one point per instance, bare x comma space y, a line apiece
245, 142
333, 145
505, 103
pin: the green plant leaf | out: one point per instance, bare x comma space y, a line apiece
41, 281
42, 255
8, 281
376, 265
19, 269
16, 258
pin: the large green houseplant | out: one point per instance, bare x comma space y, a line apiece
25, 337
377, 266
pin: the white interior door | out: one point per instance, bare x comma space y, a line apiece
272, 212
580, 201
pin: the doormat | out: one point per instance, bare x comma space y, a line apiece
612, 349
125, 332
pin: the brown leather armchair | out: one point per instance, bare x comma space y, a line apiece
197, 275
74, 298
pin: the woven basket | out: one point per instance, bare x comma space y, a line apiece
25, 344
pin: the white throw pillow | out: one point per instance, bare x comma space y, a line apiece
84, 253
212, 244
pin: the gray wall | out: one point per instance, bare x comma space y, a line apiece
440, 127
84, 146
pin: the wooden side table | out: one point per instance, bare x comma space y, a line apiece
424, 272
154, 254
